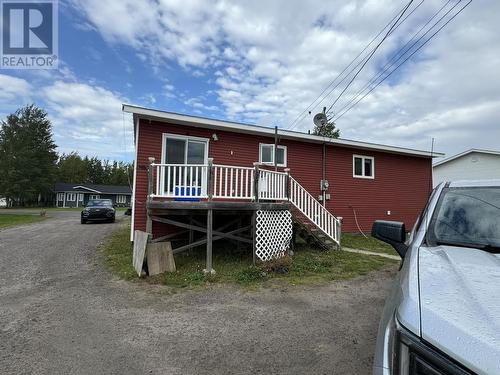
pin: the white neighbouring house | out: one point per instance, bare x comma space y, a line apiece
473, 164
3, 202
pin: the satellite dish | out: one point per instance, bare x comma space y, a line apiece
320, 119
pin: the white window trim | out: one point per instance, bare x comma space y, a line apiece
363, 158
186, 138
272, 154
71, 197
80, 197
94, 196
60, 197
121, 199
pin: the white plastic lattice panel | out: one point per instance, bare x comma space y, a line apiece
273, 234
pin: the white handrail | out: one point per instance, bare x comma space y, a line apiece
314, 211
233, 182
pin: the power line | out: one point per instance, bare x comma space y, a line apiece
397, 67
369, 57
394, 59
312, 105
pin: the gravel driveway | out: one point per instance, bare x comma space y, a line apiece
61, 313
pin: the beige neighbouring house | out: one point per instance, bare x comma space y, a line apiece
473, 164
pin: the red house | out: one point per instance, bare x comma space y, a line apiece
185, 162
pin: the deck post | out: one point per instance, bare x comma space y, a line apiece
149, 222
209, 178
254, 236
287, 182
150, 176
209, 270
191, 232
339, 233
256, 181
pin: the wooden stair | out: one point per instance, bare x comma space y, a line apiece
310, 233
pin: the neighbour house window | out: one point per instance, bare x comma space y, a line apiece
60, 196
363, 166
80, 197
121, 199
71, 197
94, 196
266, 155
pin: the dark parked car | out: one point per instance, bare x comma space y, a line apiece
98, 210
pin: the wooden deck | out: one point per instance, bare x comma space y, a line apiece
215, 202
177, 207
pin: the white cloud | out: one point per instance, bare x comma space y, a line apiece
13, 88
88, 119
14, 93
272, 58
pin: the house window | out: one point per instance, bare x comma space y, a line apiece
94, 196
266, 155
182, 150
363, 166
70, 197
60, 197
80, 197
121, 199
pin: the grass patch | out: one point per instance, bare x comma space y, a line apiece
11, 220
357, 241
117, 253
48, 209
307, 265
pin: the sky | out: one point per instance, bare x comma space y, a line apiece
265, 62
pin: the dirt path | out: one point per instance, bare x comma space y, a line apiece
61, 313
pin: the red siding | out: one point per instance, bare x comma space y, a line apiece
401, 183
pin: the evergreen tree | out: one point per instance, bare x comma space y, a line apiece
27, 155
72, 168
327, 130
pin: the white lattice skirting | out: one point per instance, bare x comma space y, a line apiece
273, 234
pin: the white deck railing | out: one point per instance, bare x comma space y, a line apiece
233, 182
195, 181
272, 185
180, 180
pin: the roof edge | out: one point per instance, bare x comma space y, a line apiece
464, 153
209, 123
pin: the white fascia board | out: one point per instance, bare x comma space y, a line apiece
86, 188
467, 152
176, 118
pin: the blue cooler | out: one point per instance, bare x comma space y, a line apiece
192, 191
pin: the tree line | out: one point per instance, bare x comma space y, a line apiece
30, 164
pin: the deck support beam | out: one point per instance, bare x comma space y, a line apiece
204, 241
210, 217
201, 229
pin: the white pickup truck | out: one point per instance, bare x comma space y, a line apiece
443, 314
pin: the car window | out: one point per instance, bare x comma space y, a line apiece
99, 203
467, 215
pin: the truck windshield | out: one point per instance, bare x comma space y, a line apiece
467, 217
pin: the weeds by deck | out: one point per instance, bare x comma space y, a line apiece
308, 265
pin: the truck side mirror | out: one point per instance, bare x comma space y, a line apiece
391, 232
